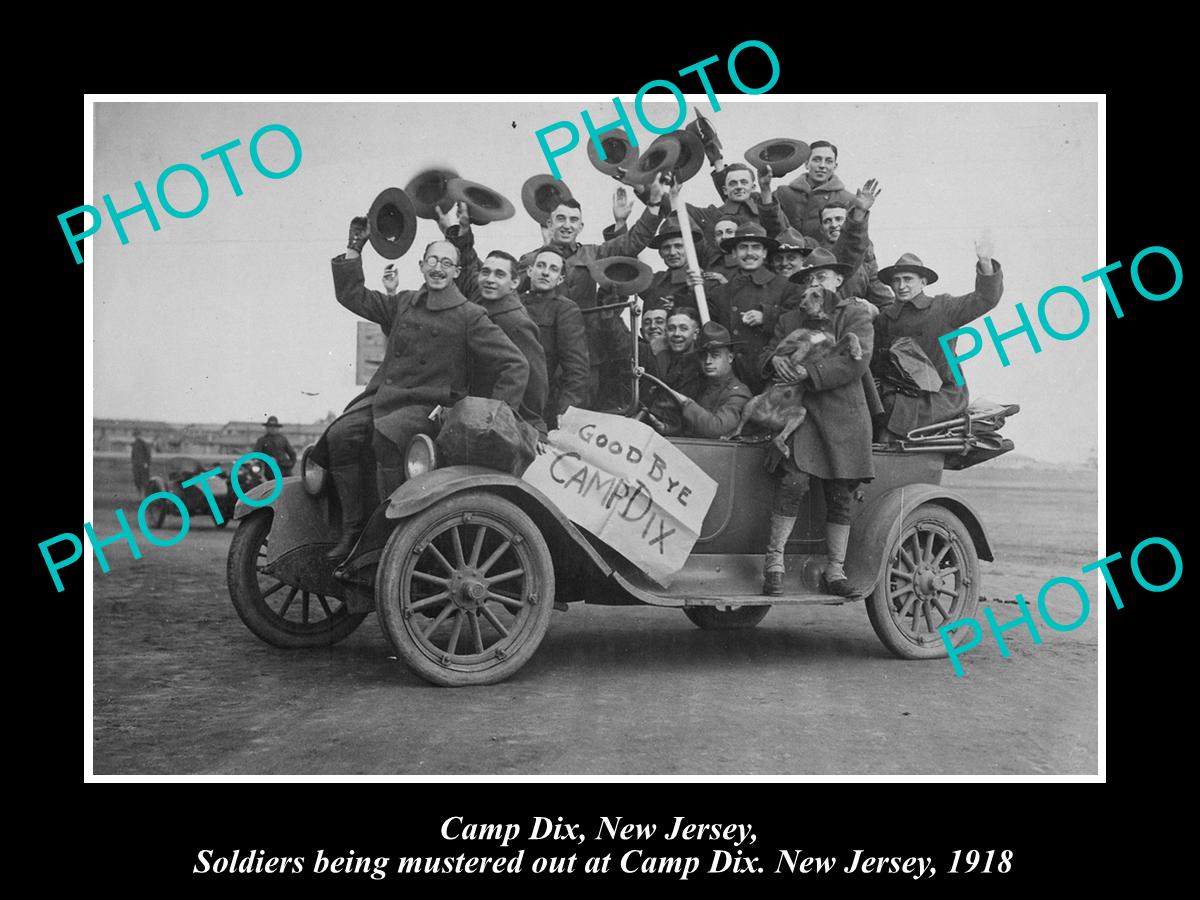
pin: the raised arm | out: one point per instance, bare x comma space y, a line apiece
455, 224
989, 285
633, 242
852, 243
350, 287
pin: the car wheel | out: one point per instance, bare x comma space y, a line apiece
726, 618
465, 590
281, 614
156, 512
931, 577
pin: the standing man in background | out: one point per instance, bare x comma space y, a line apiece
140, 453
276, 445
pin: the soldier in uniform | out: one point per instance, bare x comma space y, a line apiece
435, 337
717, 407
750, 304
563, 337
810, 192
671, 287
924, 319
834, 441
276, 445
140, 457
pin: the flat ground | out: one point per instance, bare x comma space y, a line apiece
180, 685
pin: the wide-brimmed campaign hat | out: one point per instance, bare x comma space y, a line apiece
670, 229
819, 259
703, 129
783, 155
791, 239
712, 336
750, 230
393, 223
619, 152
908, 262
271, 420
623, 275
427, 190
691, 154
541, 194
661, 156
483, 204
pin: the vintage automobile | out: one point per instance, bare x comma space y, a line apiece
251, 474
465, 565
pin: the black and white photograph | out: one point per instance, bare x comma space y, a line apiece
446, 436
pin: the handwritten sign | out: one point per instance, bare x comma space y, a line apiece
627, 485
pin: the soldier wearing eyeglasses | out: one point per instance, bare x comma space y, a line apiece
435, 337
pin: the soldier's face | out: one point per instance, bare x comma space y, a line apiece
832, 221
546, 273
672, 253
821, 165
825, 278
788, 262
738, 185
750, 255
654, 324
725, 230
681, 333
440, 265
907, 285
566, 224
496, 278
717, 363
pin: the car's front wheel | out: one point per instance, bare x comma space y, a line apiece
465, 590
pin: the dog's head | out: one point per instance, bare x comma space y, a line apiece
812, 303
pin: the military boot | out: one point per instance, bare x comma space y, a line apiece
346, 481
781, 529
837, 539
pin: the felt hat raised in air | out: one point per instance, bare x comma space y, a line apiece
393, 223
623, 275
428, 191
908, 262
619, 152
541, 194
783, 155
483, 204
661, 156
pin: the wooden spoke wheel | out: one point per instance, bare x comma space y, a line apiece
465, 590
156, 512
726, 618
931, 578
282, 614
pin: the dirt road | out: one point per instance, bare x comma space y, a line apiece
180, 685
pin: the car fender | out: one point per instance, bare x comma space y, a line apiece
300, 518
422, 492
878, 525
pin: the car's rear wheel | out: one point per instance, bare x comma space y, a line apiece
282, 614
931, 578
726, 618
465, 590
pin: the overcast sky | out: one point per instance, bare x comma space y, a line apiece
231, 314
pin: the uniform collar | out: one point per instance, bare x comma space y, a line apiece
921, 301
759, 276
448, 298
735, 206
505, 304
676, 276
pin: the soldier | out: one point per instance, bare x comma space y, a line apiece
654, 329
749, 305
671, 287
492, 283
677, 367
834, 441
608, 338
717, 408
924, 319
276, 445
806, 195
140, 457
863, 281
434, 336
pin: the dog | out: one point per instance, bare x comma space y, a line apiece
780, 408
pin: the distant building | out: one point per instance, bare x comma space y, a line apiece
197, 439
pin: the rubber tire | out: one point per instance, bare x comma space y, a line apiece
156, 513
387, 589
878, 605
253, 610
714, 618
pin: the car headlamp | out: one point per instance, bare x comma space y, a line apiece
312, 474
421, 456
